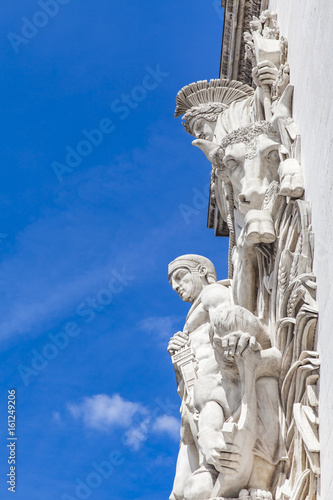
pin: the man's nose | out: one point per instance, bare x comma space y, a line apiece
174, 284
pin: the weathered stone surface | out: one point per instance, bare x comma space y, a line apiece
307, 25
246, 365
237, 17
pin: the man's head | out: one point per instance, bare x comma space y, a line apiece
200, 121
202, 102
189, 274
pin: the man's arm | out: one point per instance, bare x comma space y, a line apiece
214, 296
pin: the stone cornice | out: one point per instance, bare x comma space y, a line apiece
237, 16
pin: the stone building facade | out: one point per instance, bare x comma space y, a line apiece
248, 360
308, 27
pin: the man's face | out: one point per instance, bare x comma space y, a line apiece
202, 129
188, 285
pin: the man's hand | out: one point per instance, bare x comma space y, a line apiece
179, 340
239, 344
225, 457
265, 73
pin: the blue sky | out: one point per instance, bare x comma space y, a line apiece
86, 309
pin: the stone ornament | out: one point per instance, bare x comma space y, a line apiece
245, 362
207, 100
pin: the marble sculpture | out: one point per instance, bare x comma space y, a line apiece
245, 363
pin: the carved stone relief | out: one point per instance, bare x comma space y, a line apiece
245, 364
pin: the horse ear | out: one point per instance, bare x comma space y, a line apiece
206, 147
284, 108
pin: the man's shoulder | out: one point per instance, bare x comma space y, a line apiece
215, 293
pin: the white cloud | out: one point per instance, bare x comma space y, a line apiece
56, 416
160, 462
104, 413
136, 436
162, 328
165, 424
169, 425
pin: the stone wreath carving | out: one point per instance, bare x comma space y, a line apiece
245, 362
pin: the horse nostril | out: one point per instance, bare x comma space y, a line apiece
242, 198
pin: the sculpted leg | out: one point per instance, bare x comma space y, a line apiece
270, 446
187, 462
245, 282
200, 484
258, 228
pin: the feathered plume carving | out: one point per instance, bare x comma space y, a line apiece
202, 92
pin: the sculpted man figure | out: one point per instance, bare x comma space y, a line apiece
218, 386
193, 277
228, 114
252, 165
235, 436
231, 115
202, 103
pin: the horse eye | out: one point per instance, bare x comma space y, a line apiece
273, 156
231, 164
